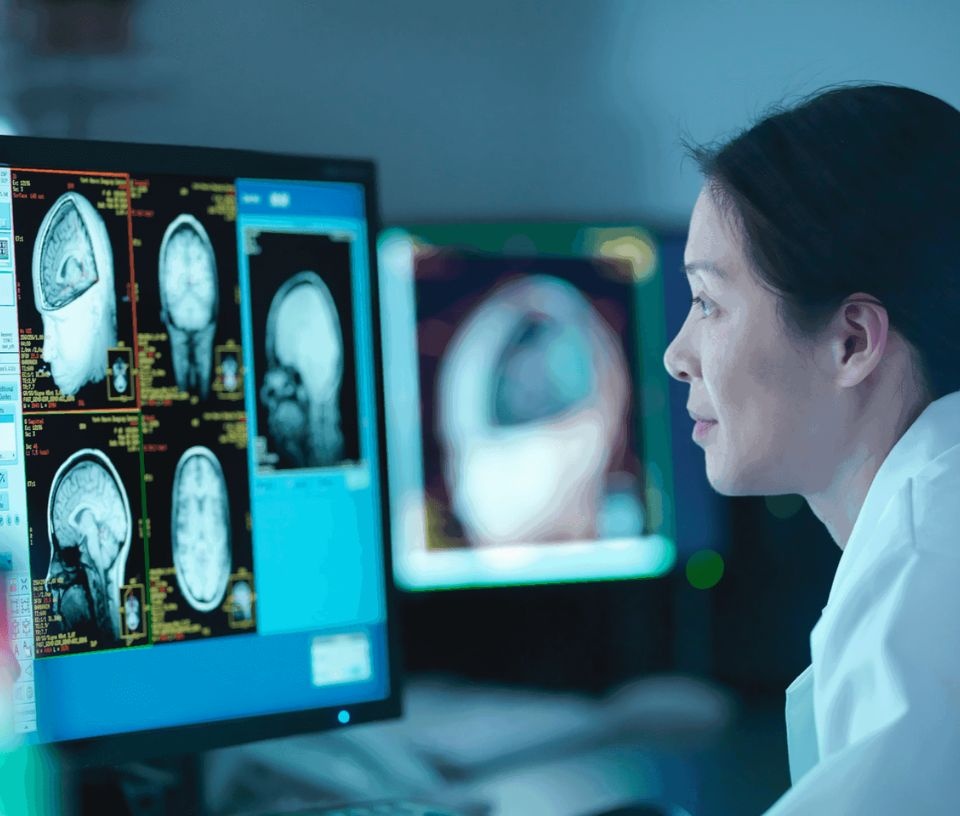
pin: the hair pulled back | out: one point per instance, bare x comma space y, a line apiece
855, 189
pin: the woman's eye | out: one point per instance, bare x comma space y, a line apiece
702, 302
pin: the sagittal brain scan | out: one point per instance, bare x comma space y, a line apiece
301, 387
188, 296
532, 395
90, 526
304, 360
73, 289
200, 527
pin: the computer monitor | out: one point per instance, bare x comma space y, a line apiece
193, 501
527, 412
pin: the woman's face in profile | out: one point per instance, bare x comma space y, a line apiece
772, 434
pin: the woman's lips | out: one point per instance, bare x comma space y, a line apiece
702, 428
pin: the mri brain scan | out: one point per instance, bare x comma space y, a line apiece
120, 371
201, 529
231, 369
241, 607
90, 526
131, 607
301, 388
73, 289
188, 297
532, 399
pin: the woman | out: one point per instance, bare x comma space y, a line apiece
822, 351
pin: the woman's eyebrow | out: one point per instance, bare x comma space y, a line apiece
703, 266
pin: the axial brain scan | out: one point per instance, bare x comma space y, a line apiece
73, 289
242, 602
188, 297
230, 368
201, 529
119, 371
90, 526
131, 608
532, 398
301, 388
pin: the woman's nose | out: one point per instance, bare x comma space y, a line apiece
677, 360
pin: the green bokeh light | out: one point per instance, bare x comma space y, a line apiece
704, 569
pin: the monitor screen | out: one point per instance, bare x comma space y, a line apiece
527, 416
191, 462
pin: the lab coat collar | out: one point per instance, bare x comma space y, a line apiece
936, 430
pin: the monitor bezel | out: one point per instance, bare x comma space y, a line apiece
140, 158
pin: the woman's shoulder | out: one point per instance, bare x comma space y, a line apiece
936, 505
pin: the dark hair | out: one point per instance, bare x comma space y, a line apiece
855, 189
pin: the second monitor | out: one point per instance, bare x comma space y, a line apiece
527, 417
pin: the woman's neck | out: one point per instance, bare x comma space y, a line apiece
873, 433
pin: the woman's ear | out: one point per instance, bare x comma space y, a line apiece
859, 338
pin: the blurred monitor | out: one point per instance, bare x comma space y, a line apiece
527, 415
192, 486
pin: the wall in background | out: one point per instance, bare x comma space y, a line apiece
516, 109
506, 108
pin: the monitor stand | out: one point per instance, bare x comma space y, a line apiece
161, 787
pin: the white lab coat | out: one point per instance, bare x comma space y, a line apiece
873, 725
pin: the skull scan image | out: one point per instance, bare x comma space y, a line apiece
74, 291
532, 400
241, 606
200, 526
301, 387
131, 608
90, 528
119, 370
189, 301
230, 368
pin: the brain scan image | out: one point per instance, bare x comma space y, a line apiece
200, 526
131, 608
301, 387
189, 301
231, 369
241, 606
90, 528
119, 370
73, 288
532, 399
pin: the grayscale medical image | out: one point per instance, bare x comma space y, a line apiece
304, 354
230, 368
189, 301
90, 528
131, 610
200, 528
120, 372
301, 387
73, 288
241, 602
